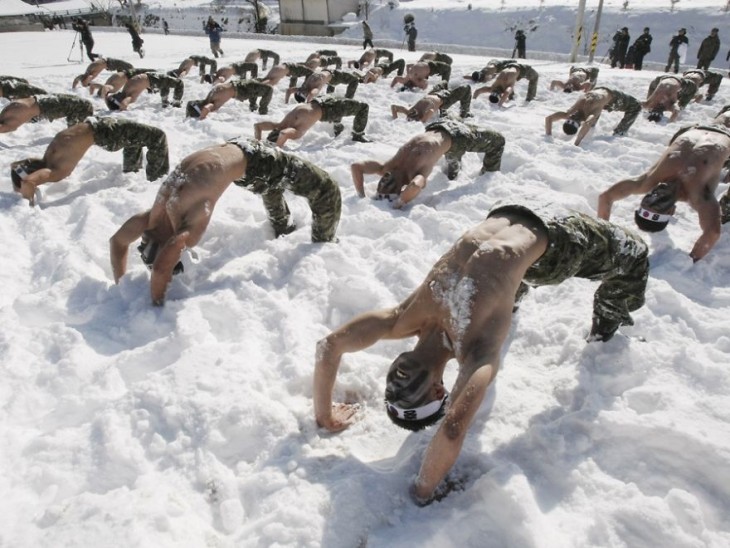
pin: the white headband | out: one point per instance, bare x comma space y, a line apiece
416, 413
653, 217
574, 123
20, 172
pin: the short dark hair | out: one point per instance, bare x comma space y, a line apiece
570, 127
192, 109
475, 75
112, 100
494, 97
29, 165
273, 136
300, 97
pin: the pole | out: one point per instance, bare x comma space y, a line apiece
578, 33
594, 38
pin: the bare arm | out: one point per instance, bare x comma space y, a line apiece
585, 127
411, 190
709, 216
360, 169
395, 110
549, 120
260, 127
479, 91
119, 243
360, 333
637, 185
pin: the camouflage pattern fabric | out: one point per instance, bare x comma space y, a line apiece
625, 103
270, 171
687, 90
163, 83
251, 90
202, 61
342, 77
443, 58
63, 105
469, 138
399, 65
118, 133
460, 94
296, 71
584, 247
13, 78
117, 65
137, 71
591, 73
723, 110
18, 89
335, 108
527, 72
267, 54
327, 52
440, 69
380, 53
712, 79
242, 69
331, 60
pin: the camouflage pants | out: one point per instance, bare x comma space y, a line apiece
251, 90
331, 60
115, 133
383, 53
400, 65
295, 72
204, 61
526, 71
17, 89
242, 69
164, 83
629, 105
117, 65
137, 71
469, 138
449, 97
335, 108
584, 247
687, 90
341, 77
443, 58
713, 81
725, 207
60, 105
270, 172
267, 54
327, 52
441, 69
591, 73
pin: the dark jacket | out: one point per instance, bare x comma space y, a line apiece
642, 45
709, 48
214, 30
676, 41
620, 43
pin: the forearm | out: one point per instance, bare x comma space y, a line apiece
605, 203
440, 456
703, 245
325, 373
358, 179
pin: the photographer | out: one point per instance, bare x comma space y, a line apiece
411, 31
82, 27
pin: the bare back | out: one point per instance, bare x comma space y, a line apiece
591, 103
418, 156
301, 117
665, 94
66, 150
18, 112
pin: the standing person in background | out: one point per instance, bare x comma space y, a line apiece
82, 27
520, 44
620, 45
674, 44
165, 27
642, 46
136, 39
708, 50
411, 31
214, 31
367, 34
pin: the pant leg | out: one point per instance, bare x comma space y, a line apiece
532, 78
442, 69
79, 111
361, 111
713, 81
325, 202
380, 53
277, 211
460, 94
266, 93
399, 65
631, 108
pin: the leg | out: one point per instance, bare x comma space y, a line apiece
326, 204
632, 110
278, 212
361, 112
131, 159
119, 244
158, 160
532, 77
266, 95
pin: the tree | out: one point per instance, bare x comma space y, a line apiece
260, 14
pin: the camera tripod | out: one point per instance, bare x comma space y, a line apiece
81, 49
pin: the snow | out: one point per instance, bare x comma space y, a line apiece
123, 424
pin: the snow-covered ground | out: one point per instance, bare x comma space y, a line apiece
191, 425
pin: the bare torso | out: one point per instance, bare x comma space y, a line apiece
301, 118
591, 104
665, 94
18, 112
418, 156
66, 150
276, 73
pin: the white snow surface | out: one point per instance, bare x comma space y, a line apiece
122, 424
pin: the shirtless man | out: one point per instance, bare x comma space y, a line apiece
310, 88
404, 176
112, 85
184, 204
670, 93
436, 56
687, 171
152, 81
325, 58
241, 90
503, 87
67, 148
437, 101
463, 311
586, 111
97, 66
369, 57
417, 74
302, 117
264, 55
199, 61
702, 77
579, 78
44, 107
495, 66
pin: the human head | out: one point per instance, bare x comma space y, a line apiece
682, 31
356, 64
656, 208
300, 97
567, 89
412, 399
208, 78
475, 76
21, 169
715, 31
656, 114
192, 109
625, 29
494, 97
646, 30
388, 185
114, 101
273, 136
413, 115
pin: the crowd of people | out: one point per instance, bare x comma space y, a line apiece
518, 245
